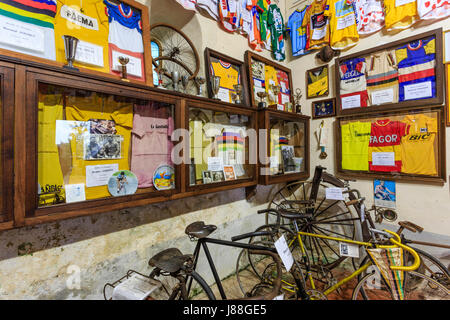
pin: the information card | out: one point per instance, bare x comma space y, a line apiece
99, 175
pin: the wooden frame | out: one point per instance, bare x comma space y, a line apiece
439, 72
230, 184
211, 54
369, 175
313, 108
326, 93
264, 117
249, 56
145, 18
447, 91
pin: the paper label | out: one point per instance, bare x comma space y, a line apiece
224, 94
383, 159
89, 53
99, 175
215, 163
399, 3
257, 83
346, 21
348, 250
280, 297
75, 192
134, 65
319, 33
274, 163
284, 252
418, 90
22, 35
283, 87
383, 96
351, 102
285, 98
334, 194
76, 17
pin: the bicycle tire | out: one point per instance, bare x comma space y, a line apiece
425, 288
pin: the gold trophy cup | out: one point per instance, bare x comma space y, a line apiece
123, 67
238, 90
262, 95
276, 90
297, 96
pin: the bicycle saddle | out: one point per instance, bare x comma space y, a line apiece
169, 260
199, 229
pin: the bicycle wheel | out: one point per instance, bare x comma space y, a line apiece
329, 217
416, 286
174, 287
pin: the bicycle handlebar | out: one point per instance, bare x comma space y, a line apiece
397, 243
271, 211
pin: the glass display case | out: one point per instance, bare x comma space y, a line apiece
405, 145
286, 147
222, 146
398, 75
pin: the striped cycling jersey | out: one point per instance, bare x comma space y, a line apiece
416, 69
382, 76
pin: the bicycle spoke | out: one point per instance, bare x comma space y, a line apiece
328, 245
334, 203
340, 234
340, 214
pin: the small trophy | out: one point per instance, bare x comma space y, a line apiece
215, 86
161, 71
175, 80
238, 89
70, 48
262, 95
297, 96
276, 90
184, 82
200, 81
123, 67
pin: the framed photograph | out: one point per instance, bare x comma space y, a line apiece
323, 108
218, 176
229, 173
232, 84
384, 193
269, 83
288, 158
317, 83
447, 46
207, 177
102, 126
102, 146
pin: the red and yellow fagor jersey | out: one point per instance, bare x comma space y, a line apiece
400, 14
386, 136
87, 21
82, 108
418, 145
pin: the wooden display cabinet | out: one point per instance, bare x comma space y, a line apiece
292, 137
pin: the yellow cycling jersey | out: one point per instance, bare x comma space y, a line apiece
418, 152
400, 14
342, 20
84, 108
229, 76
317, 83
355, 145
87, 21
50, 176
270, 79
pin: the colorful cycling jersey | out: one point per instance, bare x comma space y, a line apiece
254, 36
125, 39
297, 32
228, 13
433, 9
276, 26
342, 20
263, 8
385, 139
319, 33
285, 92
244, 17
369, 15
355, 145
353, 90
229, 76
400, 14
418, 154
382, 78
87, 21
271, 79
35, 19
317, 82
416, 69
211, 7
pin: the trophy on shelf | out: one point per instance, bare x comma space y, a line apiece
215, 86
276, 90
184, 82
175, 80
70, 48
200, 81
123, 67
238, 90
297, 96
262, 95
160, 71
